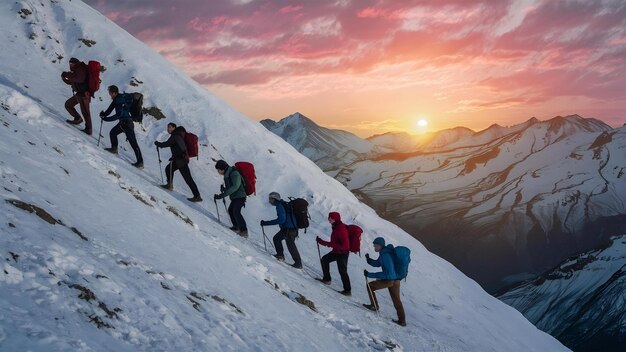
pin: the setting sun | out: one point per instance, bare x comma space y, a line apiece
422, 123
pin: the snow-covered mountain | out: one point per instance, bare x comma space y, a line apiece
326, 147
516, 205
99, 258
582, 301
395, 141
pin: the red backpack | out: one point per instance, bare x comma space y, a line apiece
246, 170
191, 143
93, 77
354, 236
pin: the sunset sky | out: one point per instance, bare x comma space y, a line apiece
376, 66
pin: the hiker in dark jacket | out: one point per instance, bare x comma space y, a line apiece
234, 189
288, 230
340, 244
179, 160
387, 278
77, 77
125, 124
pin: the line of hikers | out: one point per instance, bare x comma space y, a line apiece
240, 182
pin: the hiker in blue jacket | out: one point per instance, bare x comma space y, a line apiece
288, 230
387, 278
121, 104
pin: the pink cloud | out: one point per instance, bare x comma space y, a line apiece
559, 48
289, 9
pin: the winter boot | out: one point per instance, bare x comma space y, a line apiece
88, 132
296, 265
74, 122
111, 150
323, 281
234, 228
243, 233
195, 199
370, 307
346, 293
280, 258
138, 164
168, 186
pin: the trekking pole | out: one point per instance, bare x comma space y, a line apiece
264, 244
99, 133
319, 254
369, 289
265, 237
160, 168
217, 210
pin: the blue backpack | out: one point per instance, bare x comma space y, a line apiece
401, 260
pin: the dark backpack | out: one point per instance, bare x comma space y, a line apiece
401, 260
300, 212
191, 143
248, 175
93, 77
136, 107
354, 236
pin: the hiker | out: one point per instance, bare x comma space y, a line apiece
340, 245
234, 189
387, 278
288, 230
121, 103
179, 160
77, 77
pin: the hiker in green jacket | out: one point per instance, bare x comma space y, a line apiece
234, 189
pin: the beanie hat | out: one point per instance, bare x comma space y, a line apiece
275, 195
334, 215
380, 241
221, 165
74, 60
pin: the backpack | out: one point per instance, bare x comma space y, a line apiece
299, 209
401, 260
246, 170
93, 77
136, 107
354, 236
191, 143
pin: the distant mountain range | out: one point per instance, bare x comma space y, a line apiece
508, 205
582, 301
502, 204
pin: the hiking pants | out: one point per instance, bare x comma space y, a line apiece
234, 210
289, 235
342, 266
183, 166
126, 126
394, 291
83, 101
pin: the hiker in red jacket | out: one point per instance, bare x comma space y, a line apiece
340, 244
78, 77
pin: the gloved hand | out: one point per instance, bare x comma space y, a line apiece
222, 188
263, 222
318, 239
365, 273
367, 256
156, 143
101, 114
216, 197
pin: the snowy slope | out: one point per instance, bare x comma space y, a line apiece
99, 258
327, 147
512, 207
582, 301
